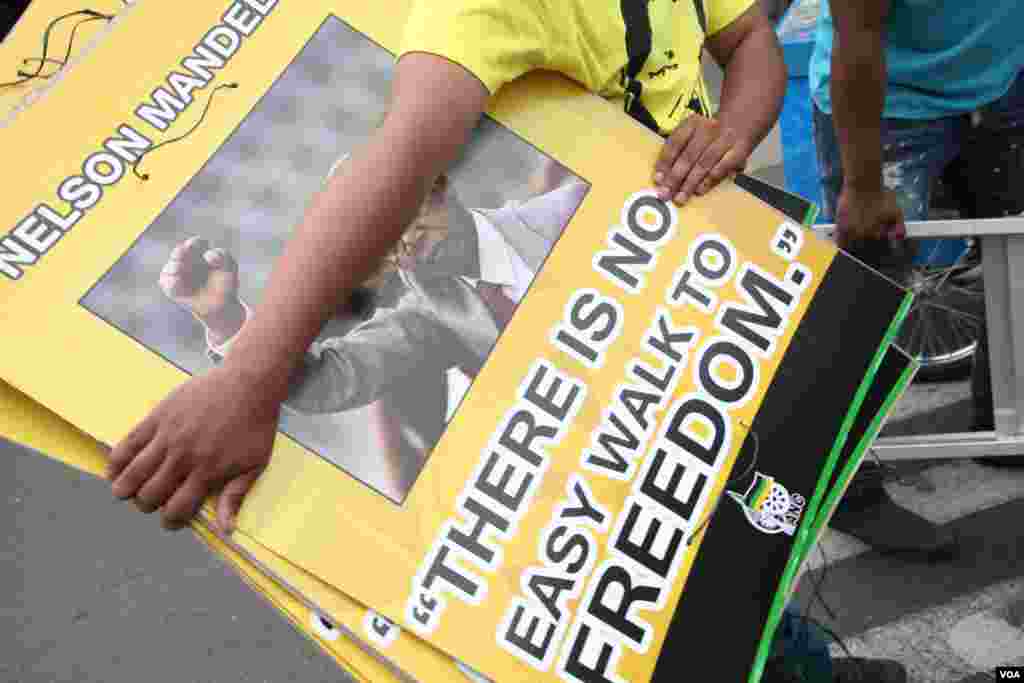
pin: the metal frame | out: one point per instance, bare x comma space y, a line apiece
1002, 250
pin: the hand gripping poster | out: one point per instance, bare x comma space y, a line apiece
603, 440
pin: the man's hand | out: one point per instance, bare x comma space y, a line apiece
699, 154
702, 152
872, 215
205, 281
215, 431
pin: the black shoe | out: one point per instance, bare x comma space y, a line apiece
867, 513
862, 670
1001, 460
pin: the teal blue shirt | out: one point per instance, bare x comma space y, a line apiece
944, 57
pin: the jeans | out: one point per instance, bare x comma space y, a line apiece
979, 154
800, 650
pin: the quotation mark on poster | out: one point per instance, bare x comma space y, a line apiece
788, 241
324, 627
381, 632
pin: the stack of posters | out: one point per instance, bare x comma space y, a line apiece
632, 464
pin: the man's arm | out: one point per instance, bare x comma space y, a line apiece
702, 152
363, 212
216, 431
858, 88
754, 82
866, 209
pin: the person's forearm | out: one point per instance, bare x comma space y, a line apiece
352, 224
344, 235
753, 86
858, 98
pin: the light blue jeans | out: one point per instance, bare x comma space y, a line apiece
915, 153
802, 649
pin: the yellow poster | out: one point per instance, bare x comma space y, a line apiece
567, 481
347, 631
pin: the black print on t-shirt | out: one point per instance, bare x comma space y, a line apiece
639, 42
672, 66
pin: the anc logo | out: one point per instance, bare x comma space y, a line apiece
769, 507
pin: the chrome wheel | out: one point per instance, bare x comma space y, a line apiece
947, 317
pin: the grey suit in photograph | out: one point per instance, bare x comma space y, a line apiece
440, 321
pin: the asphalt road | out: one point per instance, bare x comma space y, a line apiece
93, 591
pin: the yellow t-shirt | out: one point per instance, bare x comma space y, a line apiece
642, 54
